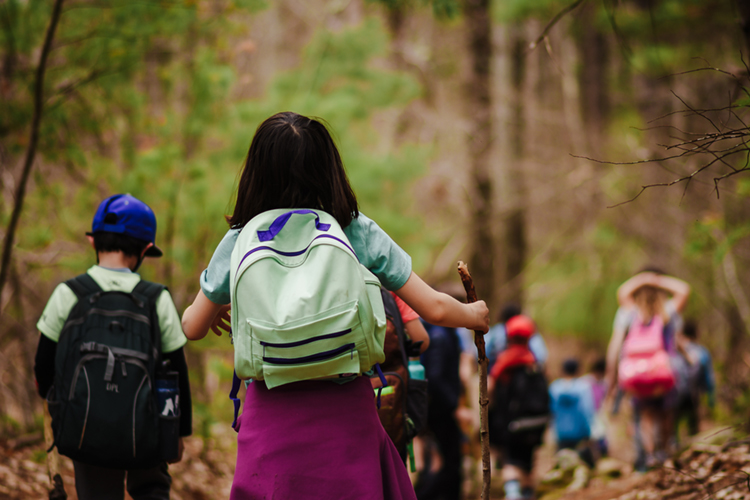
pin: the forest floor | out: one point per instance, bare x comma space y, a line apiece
714, 467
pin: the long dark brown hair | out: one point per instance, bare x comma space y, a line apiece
293, 163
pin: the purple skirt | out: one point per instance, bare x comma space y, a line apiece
316, 440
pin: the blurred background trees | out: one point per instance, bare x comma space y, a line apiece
461, 141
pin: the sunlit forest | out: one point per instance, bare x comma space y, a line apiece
556, 146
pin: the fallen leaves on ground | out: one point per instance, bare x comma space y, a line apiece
205, 471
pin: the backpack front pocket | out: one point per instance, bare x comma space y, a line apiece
103, 396
344, 363
320, 346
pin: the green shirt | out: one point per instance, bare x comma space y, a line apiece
63, 299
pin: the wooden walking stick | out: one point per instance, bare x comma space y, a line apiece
471, 296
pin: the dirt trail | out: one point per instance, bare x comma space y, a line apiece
715, 467
199, 476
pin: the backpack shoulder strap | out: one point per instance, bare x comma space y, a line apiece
83, 285
151, 290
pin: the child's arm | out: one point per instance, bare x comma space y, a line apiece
619, 331
414, 328
417, 333
203, 314
626, 290
679, 289
44, 364
442, 309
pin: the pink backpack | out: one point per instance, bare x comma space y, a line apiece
645, 370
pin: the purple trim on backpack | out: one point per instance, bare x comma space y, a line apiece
233, 396
300, 252
383, 380
278, 224
306, 341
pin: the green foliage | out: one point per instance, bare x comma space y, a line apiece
573, 294
39, 456
139, 100
518, 10
446, 9
339, 82
441, 9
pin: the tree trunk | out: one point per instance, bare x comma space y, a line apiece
479, 109
190, 142
593, 53
743, 9
736, 308
515, 223
36, 120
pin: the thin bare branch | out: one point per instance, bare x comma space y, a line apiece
33, 141
553, 22
702, 115
636, 162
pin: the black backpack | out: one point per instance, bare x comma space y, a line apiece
403, 403
103, 401
521, 408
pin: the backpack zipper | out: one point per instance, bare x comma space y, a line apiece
88, 405
298, 252
137, 393
305, 341
321, 356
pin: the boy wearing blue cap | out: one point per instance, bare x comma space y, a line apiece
102, 333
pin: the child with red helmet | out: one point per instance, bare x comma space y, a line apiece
519, 390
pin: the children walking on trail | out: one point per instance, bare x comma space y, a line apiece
109, 343
496, 339
441, 476
309, 427
572, 404
520, 393
596, 378
645, 336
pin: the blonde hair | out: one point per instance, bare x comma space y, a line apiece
650, 302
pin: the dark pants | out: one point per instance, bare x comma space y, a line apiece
687, 409
99, 483
444, 484
582, 447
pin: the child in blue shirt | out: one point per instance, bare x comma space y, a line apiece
573, 411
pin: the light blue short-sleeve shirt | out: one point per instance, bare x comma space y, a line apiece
374, 248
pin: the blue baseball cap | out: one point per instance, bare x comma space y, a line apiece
132, 218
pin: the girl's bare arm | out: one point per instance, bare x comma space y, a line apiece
626, 290
417, 333
203, 314
441, 309
678, 289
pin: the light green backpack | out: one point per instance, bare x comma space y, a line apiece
303, 307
